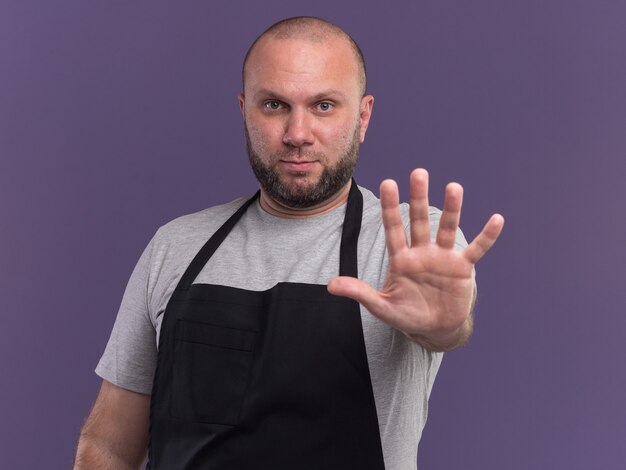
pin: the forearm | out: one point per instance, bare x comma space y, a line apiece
115, 434
95, 453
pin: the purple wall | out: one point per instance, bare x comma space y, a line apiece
118, 116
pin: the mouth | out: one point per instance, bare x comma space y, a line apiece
298, 165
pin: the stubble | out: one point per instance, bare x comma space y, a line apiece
302, 196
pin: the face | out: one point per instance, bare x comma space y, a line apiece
304, 118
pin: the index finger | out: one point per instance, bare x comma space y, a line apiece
395, 235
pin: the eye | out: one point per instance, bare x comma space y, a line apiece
325, 106
273, 105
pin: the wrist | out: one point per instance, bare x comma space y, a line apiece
444, 340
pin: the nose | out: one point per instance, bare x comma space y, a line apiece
298, 131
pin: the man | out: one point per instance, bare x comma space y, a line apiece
264, 361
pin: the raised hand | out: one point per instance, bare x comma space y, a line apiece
429, 289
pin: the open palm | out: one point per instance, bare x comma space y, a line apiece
429, 289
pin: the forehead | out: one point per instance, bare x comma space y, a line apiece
300, 66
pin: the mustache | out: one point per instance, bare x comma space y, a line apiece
297, 154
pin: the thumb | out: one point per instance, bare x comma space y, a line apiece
358, 290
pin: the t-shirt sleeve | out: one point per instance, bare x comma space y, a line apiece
129, 359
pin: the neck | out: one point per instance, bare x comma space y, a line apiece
273, 207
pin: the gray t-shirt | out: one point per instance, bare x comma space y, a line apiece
261, 251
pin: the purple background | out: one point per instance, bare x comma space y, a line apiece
116, 117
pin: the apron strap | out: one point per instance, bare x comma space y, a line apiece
348, 263
213, 244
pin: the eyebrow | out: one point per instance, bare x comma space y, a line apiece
319, 96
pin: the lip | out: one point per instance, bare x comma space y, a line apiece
295, 165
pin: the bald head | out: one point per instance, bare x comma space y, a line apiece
310, 29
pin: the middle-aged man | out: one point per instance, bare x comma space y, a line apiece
265, 360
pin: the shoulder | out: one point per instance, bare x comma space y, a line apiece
174, 244
201, 224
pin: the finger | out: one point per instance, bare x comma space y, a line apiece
449, 222
395, 235
418, 211
485, 239
360, 291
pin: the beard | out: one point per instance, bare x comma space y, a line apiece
300, 196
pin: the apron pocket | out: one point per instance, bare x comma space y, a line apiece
211, 368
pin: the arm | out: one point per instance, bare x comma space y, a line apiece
115, 435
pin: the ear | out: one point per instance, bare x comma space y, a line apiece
365, 113
242, 102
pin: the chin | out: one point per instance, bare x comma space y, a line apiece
300, 179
